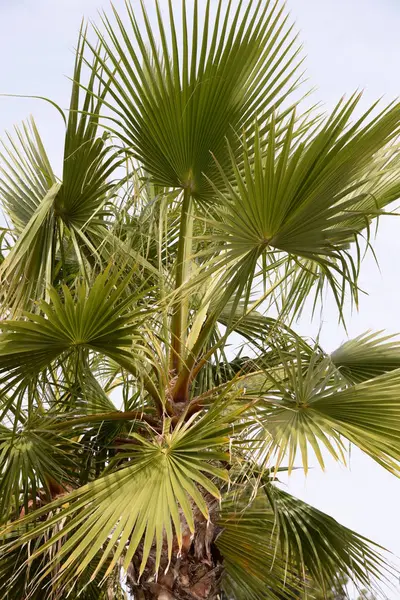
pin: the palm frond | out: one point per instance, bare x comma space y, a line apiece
252, 568
312, 407
173, 106
31, 458
367, 356
152, 385
161, 478
26, 175
276, 546
17, 574
50, 216
101, 320
320, 546
299, 197
89, 160
24, 275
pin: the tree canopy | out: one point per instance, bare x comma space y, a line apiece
152, 383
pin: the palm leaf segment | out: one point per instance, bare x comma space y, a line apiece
16, 585
97, 320
30, 460
312, 406
368, 355
27, 175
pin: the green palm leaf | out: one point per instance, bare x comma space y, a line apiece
319, 545
309, 408
301, 197
30, 459
26, 176
101, 320
252, 568
50, 217
275, 544
151, 383
161, 475
173, 106
88, 159
16, 579
367, 356
23, 273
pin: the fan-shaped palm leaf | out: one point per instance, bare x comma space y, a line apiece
151, 384
161, 475
27, 175
42, 210
319, 545
31, 458
367, 356
300, 197
252, 568
16, 579
173, 108
23, 273
275, 544
309, 408
101, 320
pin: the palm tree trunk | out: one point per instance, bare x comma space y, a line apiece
193, 574
207, 587
187, 580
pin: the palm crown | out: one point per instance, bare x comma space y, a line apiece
152, 385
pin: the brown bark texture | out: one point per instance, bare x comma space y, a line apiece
195, 570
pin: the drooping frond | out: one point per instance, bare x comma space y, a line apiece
275, 546
319, 545
16, 581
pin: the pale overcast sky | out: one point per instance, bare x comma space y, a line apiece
350, 44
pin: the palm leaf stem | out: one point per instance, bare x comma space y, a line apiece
182, 268
130, 415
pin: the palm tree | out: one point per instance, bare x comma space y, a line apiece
152, 384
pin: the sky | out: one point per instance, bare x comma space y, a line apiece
350, 44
